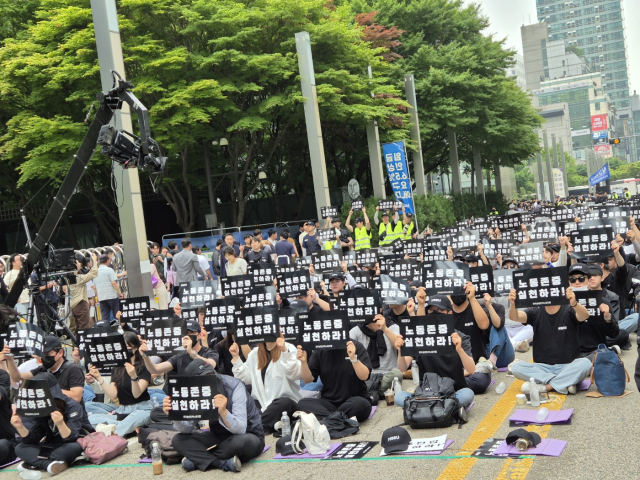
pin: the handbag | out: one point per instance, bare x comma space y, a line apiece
608, 372
100, 448
154, 281
316, 436
434, 405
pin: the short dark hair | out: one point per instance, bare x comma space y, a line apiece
257, 232
227, 234
256, 239
272, 231
287, 231
248, 235
229, 251
219, 242
104, 258
12, 258
185, 243
172, 245
155, 244
284, 235
195, 248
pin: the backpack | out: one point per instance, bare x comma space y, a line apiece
316, 436
632, 286
433, 405
373, 387
163, 438
339, 425
608, 372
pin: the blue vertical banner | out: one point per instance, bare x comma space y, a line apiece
395, 158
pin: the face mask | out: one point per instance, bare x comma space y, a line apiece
458, 300
224, 334
606, 267
130, 352
194, 340
580, 289
48, 362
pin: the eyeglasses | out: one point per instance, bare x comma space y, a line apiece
580, 279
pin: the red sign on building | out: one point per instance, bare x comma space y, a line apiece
598, 122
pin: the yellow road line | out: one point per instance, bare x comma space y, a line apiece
458, 469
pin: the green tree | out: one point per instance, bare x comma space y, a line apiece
524, 179
573, 177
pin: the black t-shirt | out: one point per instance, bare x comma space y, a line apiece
310, 244
446, 365
616, 282
466, 323
556, 335
125, 395
591, 335
6, 429
182, 360
339, 379
69, 375
393, 317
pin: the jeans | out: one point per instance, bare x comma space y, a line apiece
629, 323
138, 415
501, 346
88, 394
157, 396
560, 377
464, 396
109, 308
313, 386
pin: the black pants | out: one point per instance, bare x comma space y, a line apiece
273, 413
621, 340
195, 446
158, 416
111, 305
479, 382
358, 407
7, 451
65, 452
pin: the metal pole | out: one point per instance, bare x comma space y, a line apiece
418, 162
210, 191
564, 167
554, 146
455, 165
132, 226
477, 166
543, 195
375, 157
545, 140
312, 119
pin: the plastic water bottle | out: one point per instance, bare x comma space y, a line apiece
397, 386
156, 459
31, 475
286, 424
415, 373
534, 393
542, 414
501, 388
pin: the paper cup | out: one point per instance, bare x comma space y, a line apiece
521, 398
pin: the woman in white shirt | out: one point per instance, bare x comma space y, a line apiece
235, 266
15, 261
273, 371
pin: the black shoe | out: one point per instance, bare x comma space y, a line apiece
627, 346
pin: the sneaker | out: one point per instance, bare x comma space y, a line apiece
484, 367
525, 388
627, 346
573, 389
25, 467
231, 465
188, 465
509, 371
616, 349
521, 347
56, 467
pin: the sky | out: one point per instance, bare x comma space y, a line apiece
507, 16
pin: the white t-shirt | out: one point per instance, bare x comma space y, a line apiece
104, 287
238, 268
204, 263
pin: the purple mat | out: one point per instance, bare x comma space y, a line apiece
469, 407
447, 444
586, 383
373, 410
529, 416
547, 447
144, 460
148, 460
493, 381
10, 463
503, 369
332, 448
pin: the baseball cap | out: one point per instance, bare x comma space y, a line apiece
595, 269
298, 304
470, 258
284, 447
51, 342
554, 246
580, 268
513, 436
359, 220
385, 214
198, 367
395, 439
512, 260
458, 256
309, 222
335, 219
440, 301
193, 326
409, 214
336, 276
416, 283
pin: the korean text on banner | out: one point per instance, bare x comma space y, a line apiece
396, 161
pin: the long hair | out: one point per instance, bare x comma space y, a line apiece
265, 355
118, 374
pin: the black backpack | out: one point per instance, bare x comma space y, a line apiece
433, 405
373, 388
339, 425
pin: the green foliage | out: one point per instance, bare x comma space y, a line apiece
628, 170
435, 211
574, 178
524, 180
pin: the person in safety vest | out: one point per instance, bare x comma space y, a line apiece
362, 230
406, 229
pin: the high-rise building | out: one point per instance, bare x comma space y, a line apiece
516, 71
593, 29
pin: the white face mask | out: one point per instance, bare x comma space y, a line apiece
580, 289
224, 334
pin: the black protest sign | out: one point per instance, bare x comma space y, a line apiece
464, 239
528, 252
361, 305
357, 205
323, 330
294, 284
289, 323
328, 212
151, 316
263, 273
86, 335
541, 287
164, 337
412, 247
409, 270
362, 278
432, 253
634, 211
502, 282
562, 214
516, 235
327, 261
393, 290
286, 268
106, 353
192, 397
526, 217
427, 335
367, 257
387, 261
386, 205
482, 278
35, 400
219, 313
590, 215
620, 225
546, 232
507, 222
257, 325
189, 314
434, 241
236, 286
592, 243
302, 263
565, 228
445, 278
196, 294
260, 297
591, 300
25, 339
327, 234
612, 212
133, 309
352, 450
349, 258
491, 248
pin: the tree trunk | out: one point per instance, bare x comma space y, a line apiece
473, 179
488, 179
72, 234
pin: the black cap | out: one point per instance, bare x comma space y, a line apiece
193, 326
579, 268
336, 276
554, 246
512, 260
385, 214
198, 367
595, 269
513, 436
471, 258
440, 301
283, 446
51, 342
395, 439
409, 214
335, 219
458, 255
416, 283
298, 304
309, 222
359, 220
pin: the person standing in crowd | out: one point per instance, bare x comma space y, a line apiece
108, 290
58, 432
259, 253
310, 243
128, 387
557, 362
79, 302
187, 265
272, 239
362, 230
273, 371
236, 437
229, 241
11, 276
285, 250
297, 237
159, 288
386, 231
215, 258
204, 263
234, 265
343, 239
247, 244
8, 433
157, 259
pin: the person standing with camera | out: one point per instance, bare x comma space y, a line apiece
108, 290
78, 291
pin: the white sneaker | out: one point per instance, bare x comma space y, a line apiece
526, 390
485, 367
509, 370
573, 389
616, 349
522, 346
57, 467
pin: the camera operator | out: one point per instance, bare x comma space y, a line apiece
79, 301
45, 302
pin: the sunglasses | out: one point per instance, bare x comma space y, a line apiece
580, 279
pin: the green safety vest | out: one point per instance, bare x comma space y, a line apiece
627, 194
363, 238
400, 230
614, 196
329, 245
494, 213
390, 235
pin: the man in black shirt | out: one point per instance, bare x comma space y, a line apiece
69, 376
556, 351
344, 388
7, 431
615, 275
